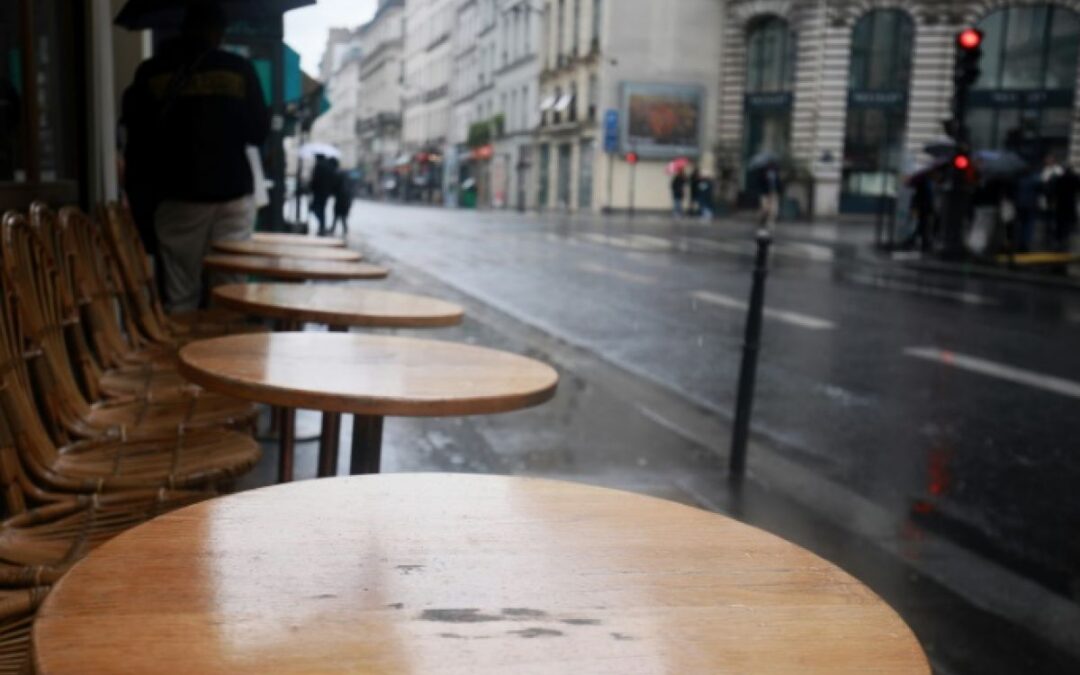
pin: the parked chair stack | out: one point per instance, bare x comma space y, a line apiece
98, 432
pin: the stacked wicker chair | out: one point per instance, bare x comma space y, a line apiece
50, 318
97, 431
150, 314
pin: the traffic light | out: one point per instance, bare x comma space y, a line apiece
968, 55
961, 162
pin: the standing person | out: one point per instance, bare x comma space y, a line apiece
678, 192
695, 191
344, 192
705, 190
922, 205
770, 189
323, 176
1061, 194
190, 114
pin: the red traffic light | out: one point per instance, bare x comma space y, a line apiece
969, 38
631, 157
962, 162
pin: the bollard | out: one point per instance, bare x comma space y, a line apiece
744, 402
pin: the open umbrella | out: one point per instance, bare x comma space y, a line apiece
150, 14
762, 160
677, 165
1000, 163
312, 150
940, 147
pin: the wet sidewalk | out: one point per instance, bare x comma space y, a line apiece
609, 427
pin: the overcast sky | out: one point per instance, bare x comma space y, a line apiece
306, 28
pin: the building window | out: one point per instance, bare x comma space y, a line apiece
560, 29
878, 81
768, 102
594, 94
597, 20
770, 55
566, 152
544, 175
576, 28
1025, 94
42, 112
585, 175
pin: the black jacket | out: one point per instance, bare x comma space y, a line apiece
189, 115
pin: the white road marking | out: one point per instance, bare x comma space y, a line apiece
891, 284
793, 318
1001, 371
593, 268
634, 242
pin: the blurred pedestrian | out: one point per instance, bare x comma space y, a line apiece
705, 188
695, 191
770, 191
678, 191
1061, 192
344, 193
189, 115
323, 177
1026, 199
922, 206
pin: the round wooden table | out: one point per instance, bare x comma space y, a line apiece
296, 239
287, 251
293, 269
339, 307
368, 376
461, 574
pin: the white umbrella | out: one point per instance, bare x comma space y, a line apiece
312, 150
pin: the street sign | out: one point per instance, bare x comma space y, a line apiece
611, 131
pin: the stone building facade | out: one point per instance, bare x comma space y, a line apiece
851, 91
379, 122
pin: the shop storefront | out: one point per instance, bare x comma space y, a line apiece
1026, 91
770, 55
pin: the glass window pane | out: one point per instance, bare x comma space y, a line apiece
993, 28
55, 85
1025, 39
981, 128
1064, 49
770, 51
11, 103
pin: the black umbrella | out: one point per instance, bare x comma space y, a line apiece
150, 14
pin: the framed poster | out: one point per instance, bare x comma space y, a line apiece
662, 121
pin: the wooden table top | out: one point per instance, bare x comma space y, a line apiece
368, 374
295, 269
456, 574
338, 305
287, 251
296, 239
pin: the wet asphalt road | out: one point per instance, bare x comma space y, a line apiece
858, 377
932, 418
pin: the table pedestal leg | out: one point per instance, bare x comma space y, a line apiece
285, 445
328, 447
366, 444
331, 432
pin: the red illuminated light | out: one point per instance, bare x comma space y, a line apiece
961, 162
969, 38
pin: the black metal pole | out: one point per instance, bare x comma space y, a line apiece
744, 403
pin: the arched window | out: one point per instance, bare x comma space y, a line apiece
770, 55
1024, 96
770, 59
878, 79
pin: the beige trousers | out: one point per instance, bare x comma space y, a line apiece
185, 232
